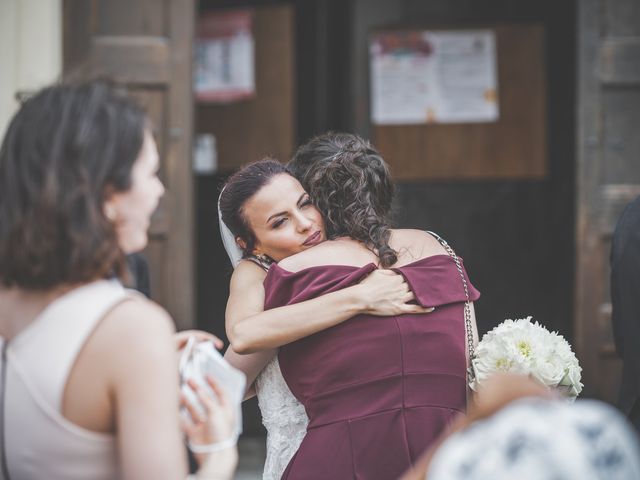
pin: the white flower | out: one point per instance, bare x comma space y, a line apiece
523, 347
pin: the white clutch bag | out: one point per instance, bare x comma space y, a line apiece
199, 359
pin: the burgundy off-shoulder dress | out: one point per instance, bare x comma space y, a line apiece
377, 390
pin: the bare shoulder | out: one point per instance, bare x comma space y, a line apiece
330, 252
305, 258
412, 244
247, 273
135, 324
136, 335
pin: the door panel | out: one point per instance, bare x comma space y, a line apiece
608, 176
622, 17
126, 17
621, 118
517, 237
146, 46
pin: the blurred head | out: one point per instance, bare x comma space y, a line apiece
517, 430
77, 186
350, 184
130, 210
269, 212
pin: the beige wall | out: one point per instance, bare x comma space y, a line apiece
30, 49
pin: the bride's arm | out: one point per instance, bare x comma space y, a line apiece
251, 329
251, 365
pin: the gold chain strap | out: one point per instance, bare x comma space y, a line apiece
467, 304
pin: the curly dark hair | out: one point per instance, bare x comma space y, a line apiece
65, 149
349, 182
240, 187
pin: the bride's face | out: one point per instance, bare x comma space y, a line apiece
283, 219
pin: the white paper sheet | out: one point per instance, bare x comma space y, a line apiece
434, 77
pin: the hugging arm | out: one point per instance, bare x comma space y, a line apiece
251, 329
251, 365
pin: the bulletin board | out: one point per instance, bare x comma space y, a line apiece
512, 146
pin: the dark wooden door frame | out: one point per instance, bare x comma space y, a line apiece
606, 62
156, 64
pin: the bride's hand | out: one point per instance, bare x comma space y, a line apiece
386, 293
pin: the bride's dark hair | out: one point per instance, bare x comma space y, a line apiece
349, 182
238, 189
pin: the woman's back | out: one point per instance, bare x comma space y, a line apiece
410, 245
42, 443
86, 389
378, 390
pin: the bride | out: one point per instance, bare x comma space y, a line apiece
272, 217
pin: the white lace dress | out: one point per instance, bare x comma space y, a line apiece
284, 418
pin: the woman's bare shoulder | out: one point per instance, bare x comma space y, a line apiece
342, 251
247, 272
306, 258
134, 321
412, 244
136, 335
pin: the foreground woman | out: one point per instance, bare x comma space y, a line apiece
377, 393
89, 374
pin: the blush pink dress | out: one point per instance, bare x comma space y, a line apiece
377, 390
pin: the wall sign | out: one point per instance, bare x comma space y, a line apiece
433, 77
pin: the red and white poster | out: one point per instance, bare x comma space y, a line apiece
224, 57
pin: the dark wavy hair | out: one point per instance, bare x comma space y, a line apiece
65, 150
349, 182
240, 187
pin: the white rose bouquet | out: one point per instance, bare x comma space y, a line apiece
523, 347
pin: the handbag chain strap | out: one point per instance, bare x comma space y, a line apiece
467, 304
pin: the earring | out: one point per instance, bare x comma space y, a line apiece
110, 213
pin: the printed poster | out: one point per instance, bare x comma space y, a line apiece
434, 77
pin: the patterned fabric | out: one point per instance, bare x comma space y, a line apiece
283, 417
537, 439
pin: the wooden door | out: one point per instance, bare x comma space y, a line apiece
516, 236
608, 176
146, 45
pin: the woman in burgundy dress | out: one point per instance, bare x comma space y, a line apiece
377, 390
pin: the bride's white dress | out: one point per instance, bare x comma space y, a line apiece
284, 418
